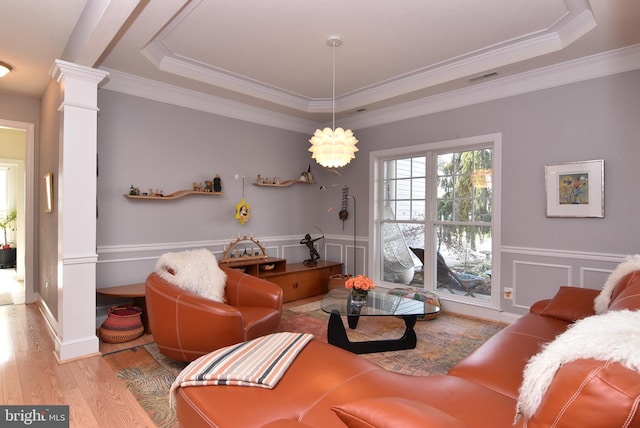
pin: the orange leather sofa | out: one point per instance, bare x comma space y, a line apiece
329, 387
186, 326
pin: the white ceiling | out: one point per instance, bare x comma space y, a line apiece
271, 57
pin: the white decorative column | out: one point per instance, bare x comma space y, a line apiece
76, 209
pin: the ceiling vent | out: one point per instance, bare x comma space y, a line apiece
483, 76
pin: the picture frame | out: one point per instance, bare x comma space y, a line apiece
575, 189
48, 192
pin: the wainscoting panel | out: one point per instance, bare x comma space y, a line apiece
527, 287
534, 274
131, 264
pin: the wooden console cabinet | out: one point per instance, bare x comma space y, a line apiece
299, 281
257, 267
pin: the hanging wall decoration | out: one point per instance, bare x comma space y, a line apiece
243, 208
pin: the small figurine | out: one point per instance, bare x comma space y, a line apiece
217, 184
208, 186
197, 187
313, 253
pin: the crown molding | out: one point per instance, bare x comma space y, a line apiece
576, 22
591, 67
600, 65
157, 91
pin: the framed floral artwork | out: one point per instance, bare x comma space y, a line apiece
575, 189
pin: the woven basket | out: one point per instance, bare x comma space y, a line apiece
123, 323
337, 280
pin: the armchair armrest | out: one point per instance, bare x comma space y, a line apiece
246, 290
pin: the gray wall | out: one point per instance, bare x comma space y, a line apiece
596, 119
149, 144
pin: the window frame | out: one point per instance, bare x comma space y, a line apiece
430, 150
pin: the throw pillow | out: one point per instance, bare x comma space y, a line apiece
571, 304
194, 270
631, 264
614, 336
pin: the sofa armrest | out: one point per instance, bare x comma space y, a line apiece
569, 304
589, 393
247, 290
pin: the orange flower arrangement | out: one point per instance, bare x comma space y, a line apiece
360, 282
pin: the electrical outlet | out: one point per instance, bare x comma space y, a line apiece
507, 293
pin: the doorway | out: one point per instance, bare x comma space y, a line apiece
17, 153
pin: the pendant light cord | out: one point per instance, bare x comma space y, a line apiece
333, 108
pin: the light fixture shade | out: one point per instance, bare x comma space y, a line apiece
4, 69
333, 149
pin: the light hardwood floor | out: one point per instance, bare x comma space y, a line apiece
30, 373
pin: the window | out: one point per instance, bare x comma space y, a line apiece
434, 217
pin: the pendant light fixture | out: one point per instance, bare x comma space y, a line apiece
333, 147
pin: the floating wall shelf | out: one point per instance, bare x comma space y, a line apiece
175, 195
285, 183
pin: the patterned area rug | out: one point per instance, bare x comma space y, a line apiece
441, 343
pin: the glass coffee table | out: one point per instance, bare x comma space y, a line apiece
338, 304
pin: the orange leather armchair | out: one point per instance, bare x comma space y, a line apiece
186, 326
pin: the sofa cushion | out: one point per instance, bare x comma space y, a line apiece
390, 412
571, 304
614, 284
614, 336
196, 271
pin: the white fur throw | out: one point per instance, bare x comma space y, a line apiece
194, 270
614, 336
630, 264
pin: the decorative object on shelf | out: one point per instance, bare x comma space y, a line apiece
575, 189
313, 253
333, 147
244, 248
134, 191
217, 184
123, 324
359, 286
306, 175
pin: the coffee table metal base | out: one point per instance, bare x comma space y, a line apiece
337, 335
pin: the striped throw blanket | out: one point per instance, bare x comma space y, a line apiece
259, 362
